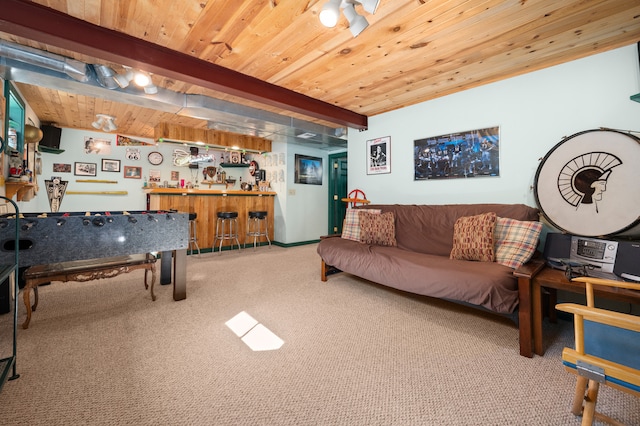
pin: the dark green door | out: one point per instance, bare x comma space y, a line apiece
337, 191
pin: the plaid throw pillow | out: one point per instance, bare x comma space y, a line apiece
378, 229
351, 224
516, 241
473, 238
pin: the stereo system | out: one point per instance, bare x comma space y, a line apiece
620, 258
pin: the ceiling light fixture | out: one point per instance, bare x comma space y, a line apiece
143, 79
108, 78
105, 123
357, 23
330, 13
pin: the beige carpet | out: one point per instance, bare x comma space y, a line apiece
354, 354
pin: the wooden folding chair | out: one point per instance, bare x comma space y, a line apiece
607, 351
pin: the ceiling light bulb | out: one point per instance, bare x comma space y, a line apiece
142, 79
330, 13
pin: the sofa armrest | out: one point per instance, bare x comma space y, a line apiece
324, 237
529, 269
525, 275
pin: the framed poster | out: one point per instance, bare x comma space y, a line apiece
110, 165
308, 170
85, 169
474, 153
97, 146
61, 168
132, 172
379, 156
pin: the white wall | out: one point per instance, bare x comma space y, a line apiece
534, 112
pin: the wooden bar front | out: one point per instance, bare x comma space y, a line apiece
207, 203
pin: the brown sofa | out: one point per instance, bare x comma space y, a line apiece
420, 262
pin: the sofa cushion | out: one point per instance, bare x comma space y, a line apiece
377, 229
473, 238
351, 224
429, 228
516, 241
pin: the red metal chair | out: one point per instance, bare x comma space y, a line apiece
356, 196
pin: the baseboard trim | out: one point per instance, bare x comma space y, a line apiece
261, 244
301, 243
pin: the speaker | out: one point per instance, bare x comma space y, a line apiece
557, 246
5, 297
628, 259
51, 136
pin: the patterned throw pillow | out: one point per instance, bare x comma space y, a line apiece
516, 241
378, 229
473, 238
351, 224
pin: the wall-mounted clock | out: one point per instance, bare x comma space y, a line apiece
155, 158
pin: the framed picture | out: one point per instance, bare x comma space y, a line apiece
85, 169
474, 153
308, 170
97, 146
235, 157
132, 172
379, 156
110, 165
61, 168
154, 176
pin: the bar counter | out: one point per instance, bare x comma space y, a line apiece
206, 203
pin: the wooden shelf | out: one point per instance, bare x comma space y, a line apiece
227, 165
19, 188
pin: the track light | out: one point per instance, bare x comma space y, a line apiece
108, 78
105, 123
98, 123
370, 6
357, 23
141, 78
150, 89
330, 13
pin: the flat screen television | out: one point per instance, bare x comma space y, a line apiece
50, 136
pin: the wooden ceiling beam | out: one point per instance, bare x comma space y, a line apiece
46, 25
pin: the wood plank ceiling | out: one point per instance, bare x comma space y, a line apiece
413, 51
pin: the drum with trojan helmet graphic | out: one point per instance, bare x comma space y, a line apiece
589, 184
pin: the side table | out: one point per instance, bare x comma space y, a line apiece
555, 279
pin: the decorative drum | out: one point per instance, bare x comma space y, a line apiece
589, 184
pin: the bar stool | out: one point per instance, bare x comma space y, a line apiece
255, 222
193, 233
226, 229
